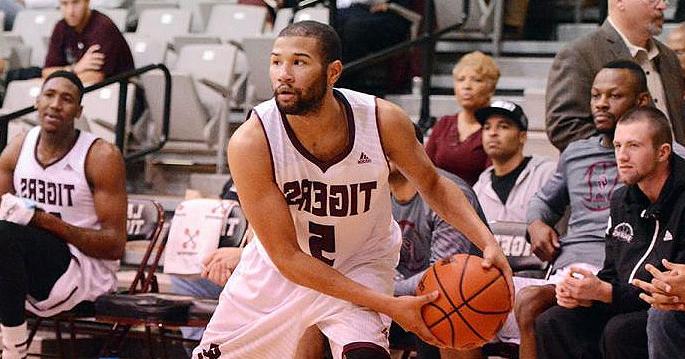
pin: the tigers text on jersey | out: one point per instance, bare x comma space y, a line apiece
342, 214
341, 208
61, 188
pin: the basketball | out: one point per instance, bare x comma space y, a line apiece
473, 302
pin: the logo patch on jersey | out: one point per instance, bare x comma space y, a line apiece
364, 159
623, 232
668, 236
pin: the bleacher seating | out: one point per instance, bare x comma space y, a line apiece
34, 27
164, 23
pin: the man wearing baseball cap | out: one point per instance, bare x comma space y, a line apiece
505, 188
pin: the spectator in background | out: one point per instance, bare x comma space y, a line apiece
676, 41
602, 315
455, 144
628, 34
585, 180
87, 43
505, 188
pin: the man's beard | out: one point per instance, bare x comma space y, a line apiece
304, 103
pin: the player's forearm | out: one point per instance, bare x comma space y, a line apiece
307, 271
101, 244
450, 203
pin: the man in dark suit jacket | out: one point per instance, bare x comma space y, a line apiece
570, 78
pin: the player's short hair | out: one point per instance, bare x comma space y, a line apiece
329, 41
635, 70
69, 76
657, 121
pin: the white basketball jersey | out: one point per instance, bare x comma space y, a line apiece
61, 188
341, 208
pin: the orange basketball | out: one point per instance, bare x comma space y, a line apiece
473, 302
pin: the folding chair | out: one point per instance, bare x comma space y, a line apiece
202, 73
198, 225
100, 110
259, 87
145, 49
21, 94
484, 20
145, 220
163, 24
33, 26
228, 23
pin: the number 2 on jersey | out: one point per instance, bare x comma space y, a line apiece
322, 239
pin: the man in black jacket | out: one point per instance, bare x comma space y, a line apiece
602, 315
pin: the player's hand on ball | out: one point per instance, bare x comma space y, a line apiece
16, 209
406, 311
493, 255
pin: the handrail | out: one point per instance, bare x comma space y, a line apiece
122, 79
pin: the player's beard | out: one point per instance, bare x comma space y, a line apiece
307, 101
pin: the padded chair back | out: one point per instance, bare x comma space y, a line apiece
34, 26
233, 22
188, 117
145, 49
101, 107
163, 24
215, 62
144, 222
257, 51
21, 94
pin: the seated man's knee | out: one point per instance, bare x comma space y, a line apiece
530, 302
661, 323
548, 321
364, 351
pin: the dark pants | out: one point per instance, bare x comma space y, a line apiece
666, 334
31, 261
591, 333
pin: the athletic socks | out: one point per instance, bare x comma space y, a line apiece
14, 341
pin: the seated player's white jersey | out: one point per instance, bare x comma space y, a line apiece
341, 208
61, 188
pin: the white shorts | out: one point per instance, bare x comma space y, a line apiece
510, 330
261, 314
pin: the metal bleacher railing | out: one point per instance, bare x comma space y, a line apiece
120, 128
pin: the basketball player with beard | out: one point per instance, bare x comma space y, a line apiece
311, 171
